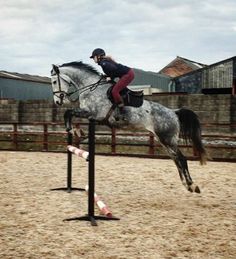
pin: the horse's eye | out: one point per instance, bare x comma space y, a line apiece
54, 82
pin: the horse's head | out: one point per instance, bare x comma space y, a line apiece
65, 89
71, 79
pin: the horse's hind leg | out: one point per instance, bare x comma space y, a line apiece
181, 163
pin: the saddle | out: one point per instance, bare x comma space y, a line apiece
130, 98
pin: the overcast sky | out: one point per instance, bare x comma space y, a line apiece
142, 34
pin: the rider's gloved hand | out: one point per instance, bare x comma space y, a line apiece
108, 79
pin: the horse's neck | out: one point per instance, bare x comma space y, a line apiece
84, 78
93, 95
88, 81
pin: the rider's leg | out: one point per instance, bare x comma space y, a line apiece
121, 84
124, 81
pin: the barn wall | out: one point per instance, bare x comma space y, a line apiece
189, 83
217, 76
24, 90
155, 80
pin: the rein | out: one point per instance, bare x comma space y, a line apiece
75, 86
93, 86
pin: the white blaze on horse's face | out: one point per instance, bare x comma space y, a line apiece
60, 88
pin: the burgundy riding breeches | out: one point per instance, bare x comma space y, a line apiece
121, 84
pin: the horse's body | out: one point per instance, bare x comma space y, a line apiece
77, 81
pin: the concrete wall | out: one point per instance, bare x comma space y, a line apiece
220, 109
210, 108
31, 111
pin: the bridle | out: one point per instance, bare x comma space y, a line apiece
73, 87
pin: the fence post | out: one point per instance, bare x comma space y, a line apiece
45, 137
113, 140
151, 144
15, 135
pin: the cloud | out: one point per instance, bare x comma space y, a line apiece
146, 35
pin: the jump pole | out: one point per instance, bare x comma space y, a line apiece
69, 187
97, 200
79, 152
91, 181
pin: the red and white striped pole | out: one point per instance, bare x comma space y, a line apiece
100, 204
79, 152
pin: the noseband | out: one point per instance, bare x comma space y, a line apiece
72, 89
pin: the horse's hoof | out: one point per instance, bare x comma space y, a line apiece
190, 189
194, 188
197, 190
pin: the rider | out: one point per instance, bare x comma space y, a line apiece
114, 70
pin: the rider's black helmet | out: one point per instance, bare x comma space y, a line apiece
98, 52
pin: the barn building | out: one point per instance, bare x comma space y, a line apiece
24, 87
218, 78
151, 82
181, 76
28, 87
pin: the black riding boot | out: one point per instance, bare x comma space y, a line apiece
121, 114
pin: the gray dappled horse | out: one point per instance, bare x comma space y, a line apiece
79, 82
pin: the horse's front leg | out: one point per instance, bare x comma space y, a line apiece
77, 112
68, 119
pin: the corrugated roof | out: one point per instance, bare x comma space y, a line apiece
24, 77
180, 66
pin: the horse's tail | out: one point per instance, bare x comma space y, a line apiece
190, 130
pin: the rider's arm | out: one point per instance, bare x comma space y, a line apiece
109, 68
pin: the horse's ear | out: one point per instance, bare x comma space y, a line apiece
56, 69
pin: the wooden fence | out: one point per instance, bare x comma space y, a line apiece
52, 137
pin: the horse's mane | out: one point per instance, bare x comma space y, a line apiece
81, 65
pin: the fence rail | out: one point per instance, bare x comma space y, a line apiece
47, 136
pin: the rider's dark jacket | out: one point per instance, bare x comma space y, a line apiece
113, 69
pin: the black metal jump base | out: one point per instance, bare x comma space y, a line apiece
91, 178
69, 187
